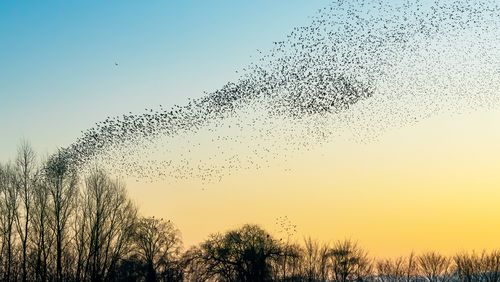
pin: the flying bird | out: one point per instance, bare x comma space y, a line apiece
284, 101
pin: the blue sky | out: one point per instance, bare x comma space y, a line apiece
57, 58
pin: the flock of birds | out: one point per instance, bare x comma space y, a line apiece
286, 229
360, 66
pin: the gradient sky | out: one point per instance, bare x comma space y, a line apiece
432, 185
57, 74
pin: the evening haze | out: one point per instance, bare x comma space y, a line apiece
430, 185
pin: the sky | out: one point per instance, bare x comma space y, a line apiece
58, 58
429, 185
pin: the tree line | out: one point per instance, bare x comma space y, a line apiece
59, 224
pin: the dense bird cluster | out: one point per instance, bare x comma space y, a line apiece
365, 65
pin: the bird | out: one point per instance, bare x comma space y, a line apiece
283, 103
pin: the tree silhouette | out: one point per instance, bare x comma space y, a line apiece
435, 267
62, 183
158, 244
315, 260
243, 254
349, 262
106, 230
400, 269
54, 227
41, 235
26, 181
9, 203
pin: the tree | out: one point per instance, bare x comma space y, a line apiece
315, 260
42, 235
194, 267
349, 262
467, 267
26, 175
104, 232
489, 267
244, 254
62, 181
9, 203
289, 265
158, 243
435, 267
401, 269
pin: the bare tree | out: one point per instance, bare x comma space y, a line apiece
392, 270
435, 267
315, 260
158, 243
465, 266
62, 181
489, 267
27, 174
289, 266
42, 235
324, 255
106, 227
349, 262
411, 268
311, 258
81, 238
9, 203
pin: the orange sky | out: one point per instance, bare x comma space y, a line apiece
430, 185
